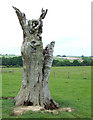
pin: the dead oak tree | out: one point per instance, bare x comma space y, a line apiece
36, 64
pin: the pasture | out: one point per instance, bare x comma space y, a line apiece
74, 92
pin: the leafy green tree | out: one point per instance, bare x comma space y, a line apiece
66, 62
85, 63
64, 56
76, 63
92, 62
82, 56
55, 62
59, 56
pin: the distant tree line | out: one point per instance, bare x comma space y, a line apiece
12, 61
86, 61
61, 56
17, 62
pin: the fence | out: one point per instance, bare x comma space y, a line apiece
54, 73
68, 75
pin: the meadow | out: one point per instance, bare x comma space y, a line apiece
74, 92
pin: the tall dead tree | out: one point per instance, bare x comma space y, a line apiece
36, 64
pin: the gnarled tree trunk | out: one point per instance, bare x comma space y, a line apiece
36, 64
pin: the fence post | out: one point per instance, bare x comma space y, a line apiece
84, 75
13, 69
53, 74
1, 70
68, 75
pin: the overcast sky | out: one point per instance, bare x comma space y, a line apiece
68, 23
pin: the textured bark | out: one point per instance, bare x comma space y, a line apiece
36, 64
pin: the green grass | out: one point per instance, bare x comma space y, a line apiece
74, 92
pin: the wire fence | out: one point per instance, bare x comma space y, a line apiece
54, 73
69, 73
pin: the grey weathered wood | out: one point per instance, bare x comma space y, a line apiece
68, 75
36, 64
84, 75
53, 74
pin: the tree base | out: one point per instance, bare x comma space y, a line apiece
49, 105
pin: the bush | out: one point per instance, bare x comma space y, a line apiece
76, 63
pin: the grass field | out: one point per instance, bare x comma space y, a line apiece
74, 92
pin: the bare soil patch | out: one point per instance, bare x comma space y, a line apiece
19, 110
9, 98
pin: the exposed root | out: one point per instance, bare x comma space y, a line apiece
51, 105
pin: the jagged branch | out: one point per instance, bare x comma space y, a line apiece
44, 12
21, 16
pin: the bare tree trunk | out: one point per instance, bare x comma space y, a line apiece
36, 64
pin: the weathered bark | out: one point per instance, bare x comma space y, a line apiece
36, 64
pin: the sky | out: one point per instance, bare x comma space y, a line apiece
68, 23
